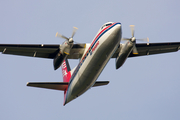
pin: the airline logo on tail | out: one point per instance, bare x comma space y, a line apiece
66, 72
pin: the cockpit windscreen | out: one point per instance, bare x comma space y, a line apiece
105, 25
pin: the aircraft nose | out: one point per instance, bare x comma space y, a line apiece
117, 32
117, 28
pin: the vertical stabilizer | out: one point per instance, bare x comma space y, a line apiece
66, 73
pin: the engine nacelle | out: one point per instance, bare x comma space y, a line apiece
64, 51
58, 60
66, 47
124, 52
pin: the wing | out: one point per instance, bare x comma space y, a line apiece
153, 48
42, 51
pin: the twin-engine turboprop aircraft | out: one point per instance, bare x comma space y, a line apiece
93, 57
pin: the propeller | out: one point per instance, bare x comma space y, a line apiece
133, 39
68, 44
70, 40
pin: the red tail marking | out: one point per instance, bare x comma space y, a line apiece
65, 73
66, 76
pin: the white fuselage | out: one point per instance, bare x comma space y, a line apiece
94, 60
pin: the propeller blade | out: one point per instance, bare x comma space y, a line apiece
74, 31
125, 39
145, 39
62, 36
135, 50
70, 40
132, 30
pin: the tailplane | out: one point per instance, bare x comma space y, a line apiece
63, 86
60, 85
50, 85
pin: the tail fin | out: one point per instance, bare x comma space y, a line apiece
66, 73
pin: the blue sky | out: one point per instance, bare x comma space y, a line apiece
143, 88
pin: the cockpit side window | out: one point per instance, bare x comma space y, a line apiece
106, 25
102, 27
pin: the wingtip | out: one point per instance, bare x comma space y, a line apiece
27, 84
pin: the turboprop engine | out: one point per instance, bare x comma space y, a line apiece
127, 48
64, 49
124, 53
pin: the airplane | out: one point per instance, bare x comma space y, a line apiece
92, 57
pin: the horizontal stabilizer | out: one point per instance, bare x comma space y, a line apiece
50, 85
60, 85
100, 83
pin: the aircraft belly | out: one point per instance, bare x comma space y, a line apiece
94, 65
